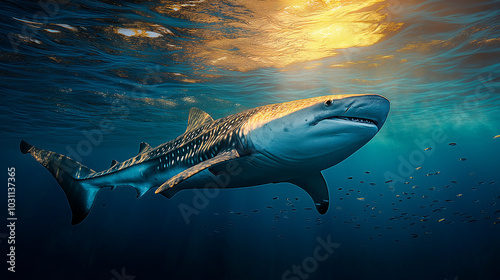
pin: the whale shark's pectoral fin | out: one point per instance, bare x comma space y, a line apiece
222, 157
314, 184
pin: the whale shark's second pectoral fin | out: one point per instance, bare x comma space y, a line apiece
315, 185
186, 174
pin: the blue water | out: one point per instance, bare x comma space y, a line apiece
139, 66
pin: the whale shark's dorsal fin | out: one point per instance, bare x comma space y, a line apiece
197, 118
315, 185
114, 162
144, 147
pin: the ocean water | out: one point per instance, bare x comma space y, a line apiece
419, 201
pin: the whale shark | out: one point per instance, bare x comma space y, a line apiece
285, 142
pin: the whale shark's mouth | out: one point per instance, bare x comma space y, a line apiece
351, 119
355, 119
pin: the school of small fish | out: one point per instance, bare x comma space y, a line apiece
380, 217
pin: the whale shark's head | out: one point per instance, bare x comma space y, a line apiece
318, 132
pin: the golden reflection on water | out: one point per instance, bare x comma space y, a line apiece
276, 33
243, 35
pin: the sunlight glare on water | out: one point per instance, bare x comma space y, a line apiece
256, 34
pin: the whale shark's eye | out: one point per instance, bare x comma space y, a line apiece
328, 103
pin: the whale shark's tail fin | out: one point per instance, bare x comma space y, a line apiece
68, 173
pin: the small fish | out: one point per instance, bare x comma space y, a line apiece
496, 212
350, 178
361, 198
496, 136
414, 187
418, 168
459, 195
454, 182
275, 198
390, 181
373, 184
452, 144
428, 149
432, 188
440, 220
462, 159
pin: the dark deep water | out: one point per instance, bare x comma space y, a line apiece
65, 66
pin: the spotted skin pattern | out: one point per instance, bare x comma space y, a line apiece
192, 147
